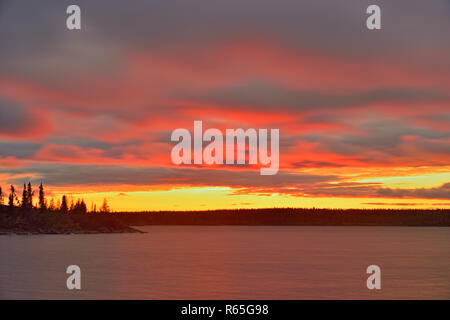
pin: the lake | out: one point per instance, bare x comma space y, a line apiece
230, 262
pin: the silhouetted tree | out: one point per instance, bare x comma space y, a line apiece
79, 207
72, 205
52, 206
24, 196
12, 197
42, 202
30, 194
105, 208
1, 196
83, 206
63, 208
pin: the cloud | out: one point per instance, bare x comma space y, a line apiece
339, 28
385, 141
315, 164
406, 204
112, 93
442, 192
15, 119
264, 96
18, 149
62, 174
242, 181
342, 188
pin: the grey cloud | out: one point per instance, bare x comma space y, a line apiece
58, 174
434, 146
246, 181
35, 41
109, 149
37, 45
315, 164
381, 135
83, 142
443, 118
18, 149
353, 189
260, 95
406, 204
369, 190
13, 116
442, 192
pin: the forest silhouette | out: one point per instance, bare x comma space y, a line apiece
22, 216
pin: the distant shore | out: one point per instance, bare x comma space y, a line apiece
36, 222
292, 217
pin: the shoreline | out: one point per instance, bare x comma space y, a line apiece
134, 230
4, 232
35, 222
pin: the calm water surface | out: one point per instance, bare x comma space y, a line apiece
230, 262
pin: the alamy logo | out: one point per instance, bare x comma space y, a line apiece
74, 280
374, 280
235, 147
373, 22
73, 21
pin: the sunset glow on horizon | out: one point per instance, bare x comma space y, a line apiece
364, 117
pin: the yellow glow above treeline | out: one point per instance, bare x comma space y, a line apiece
223, 198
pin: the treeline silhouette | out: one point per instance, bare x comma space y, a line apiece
292, 217
22, 215
62, 206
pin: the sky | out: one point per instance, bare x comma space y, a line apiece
363, 115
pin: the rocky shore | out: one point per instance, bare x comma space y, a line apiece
33, 222
20, 231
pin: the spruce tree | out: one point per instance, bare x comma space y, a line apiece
83, 206
105, 207
12, 197
42, 203
52, 206
29, 196
64, 208
24, 196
